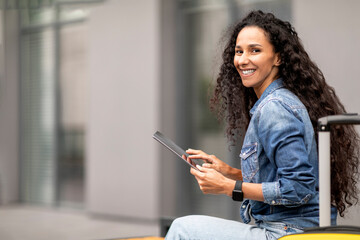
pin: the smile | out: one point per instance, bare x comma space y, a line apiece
247, 72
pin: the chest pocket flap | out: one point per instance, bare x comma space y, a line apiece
249, 161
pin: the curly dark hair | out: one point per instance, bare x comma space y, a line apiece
232, 101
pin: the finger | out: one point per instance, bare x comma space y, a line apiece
196, 173
198, 180
193, 151
193, 171
201, 156
207, 165
197, 156
203, 170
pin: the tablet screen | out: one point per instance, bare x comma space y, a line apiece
175, 149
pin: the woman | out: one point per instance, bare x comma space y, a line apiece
269, 87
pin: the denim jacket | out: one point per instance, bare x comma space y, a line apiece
280, 151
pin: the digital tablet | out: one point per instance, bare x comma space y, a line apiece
176, 149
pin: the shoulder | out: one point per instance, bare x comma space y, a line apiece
279, 101
280, 110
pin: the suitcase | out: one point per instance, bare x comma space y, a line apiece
325, 231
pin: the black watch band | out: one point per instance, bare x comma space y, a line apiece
237, 194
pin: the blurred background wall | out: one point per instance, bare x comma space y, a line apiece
9, 99
85, 84
123, 159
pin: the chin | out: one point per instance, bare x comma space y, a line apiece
247, 84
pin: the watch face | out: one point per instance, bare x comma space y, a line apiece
237, 195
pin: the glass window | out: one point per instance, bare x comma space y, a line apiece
53, 103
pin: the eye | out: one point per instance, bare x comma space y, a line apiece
255, 50
239, 51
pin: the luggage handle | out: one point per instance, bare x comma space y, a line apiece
349, 118
324, 124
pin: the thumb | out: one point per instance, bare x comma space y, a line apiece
202, 169
196, 173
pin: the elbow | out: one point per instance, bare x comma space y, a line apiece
298, 193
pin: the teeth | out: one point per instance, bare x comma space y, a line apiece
246, 72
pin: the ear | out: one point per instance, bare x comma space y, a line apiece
277, 59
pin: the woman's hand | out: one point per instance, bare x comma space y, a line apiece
211, 161
212, 182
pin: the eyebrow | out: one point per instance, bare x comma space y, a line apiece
251, 45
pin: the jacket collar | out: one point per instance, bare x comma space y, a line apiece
278, 83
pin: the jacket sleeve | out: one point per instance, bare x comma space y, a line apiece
282, 134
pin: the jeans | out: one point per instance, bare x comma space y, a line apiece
196, 227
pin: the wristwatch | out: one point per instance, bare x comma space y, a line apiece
237, 194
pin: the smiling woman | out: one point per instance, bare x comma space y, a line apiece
267, 85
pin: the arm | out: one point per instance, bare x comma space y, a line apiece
212, 182
282, 135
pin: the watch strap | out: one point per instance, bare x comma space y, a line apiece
238, 185
237, 194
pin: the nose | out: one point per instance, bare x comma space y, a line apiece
243, 59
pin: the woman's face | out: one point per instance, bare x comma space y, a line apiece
255, 59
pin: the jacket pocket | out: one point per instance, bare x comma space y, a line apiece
249, 161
